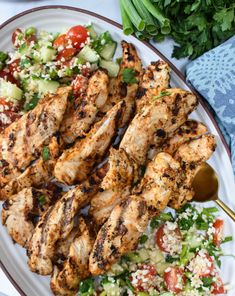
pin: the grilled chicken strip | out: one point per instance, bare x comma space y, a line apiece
78, 122
116, 185
120, 90
189, 130
21, 212
156, 78
157, 186
23, 140
190, 155
58, 221
35, 175
76, 163
65, 281
158, 118
119, 234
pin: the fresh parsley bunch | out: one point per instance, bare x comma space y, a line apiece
196, 25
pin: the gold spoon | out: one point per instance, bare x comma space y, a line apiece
206, 185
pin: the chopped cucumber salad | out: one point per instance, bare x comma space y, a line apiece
43, 61
178, 255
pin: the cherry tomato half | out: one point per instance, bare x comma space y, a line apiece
8, 77
14, 66
160, 235
146, 275
77, 35
218, 235
66, 54
174, 279
14, 37
218, 287
61, 41
79, 85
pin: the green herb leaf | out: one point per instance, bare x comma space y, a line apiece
45, 153
207, 281
86, 287
227, 239
165, 217
143, 239
162, 94
30, 31
154, 223
170, 259
42, 200
128, 76
185, 224
32, 103
3, 56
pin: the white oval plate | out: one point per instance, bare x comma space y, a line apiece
57, 19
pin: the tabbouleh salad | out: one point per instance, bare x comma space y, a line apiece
42, 61
178, 255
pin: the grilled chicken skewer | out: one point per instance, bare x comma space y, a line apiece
77, 122
58, 222
36, 174
21, 212
165, 181
22, 142
76, 163
65, 281
156, 121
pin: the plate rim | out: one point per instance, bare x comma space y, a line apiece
154, 49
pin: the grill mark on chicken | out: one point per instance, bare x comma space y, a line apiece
77, 162
57, 223
119, 234
155, 116
79, 119
17, 147
21, 212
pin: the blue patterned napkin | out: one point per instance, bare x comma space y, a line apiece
213, 76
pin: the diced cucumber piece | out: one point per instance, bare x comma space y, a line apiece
166, 294
111, 67
47, 54
108, 51
23, 49
88, 54
10, 90
144, 254
112, 289
47, 86
92, 32
162, 266
156, 256
193, 240
117, 269
142, 294
134, 257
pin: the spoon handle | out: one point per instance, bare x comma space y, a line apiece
226, 208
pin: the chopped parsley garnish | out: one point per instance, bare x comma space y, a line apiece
45, 153
32, 103
3, 56
143, 239
86, 287
129, 76
227, 239
154, 222
162, 94
42, 199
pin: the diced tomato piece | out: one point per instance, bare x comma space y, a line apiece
218, 287
66, 54
9, 113
79, 85
174, 279
138, 279
61, 41
8, 77
31, 38
14, 37
86, 72
218, 235
160, 235
77, 35
14, 66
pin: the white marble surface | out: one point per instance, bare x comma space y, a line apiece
108, 8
